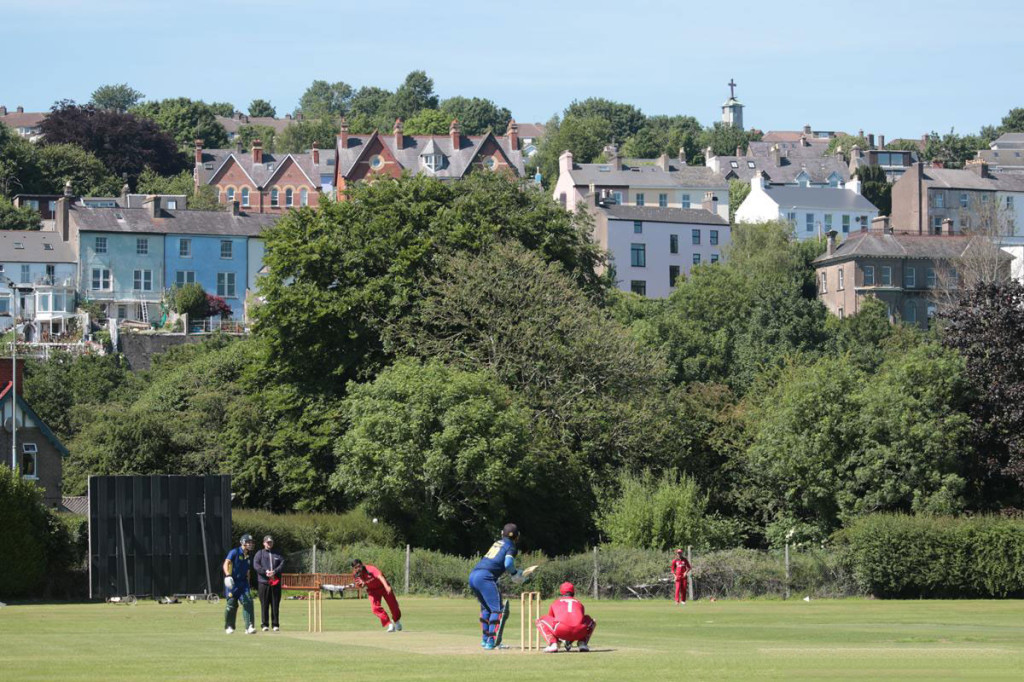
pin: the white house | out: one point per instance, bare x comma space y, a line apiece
37, 282
651, 247
812, 211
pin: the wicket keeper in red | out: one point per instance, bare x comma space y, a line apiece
681, 571
377, 586
566, 621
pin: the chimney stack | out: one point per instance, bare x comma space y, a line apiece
682, 155
288, 117
316, 154
21, 110
155, 206
804, 142
513, 134
807, 129
739, 150
881, 141
199, 151
710, 203
947, 227
3, 111
399, 133
978, 167
257, 151
125, 189
831, 243
663, 162
565, 162
611, 155
776, 155
455, 133
871, 141
881, 224
343, 135
63, 218
234, 207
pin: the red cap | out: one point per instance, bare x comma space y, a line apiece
567, 588
679, 551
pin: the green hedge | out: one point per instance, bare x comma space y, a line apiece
295, 532
898, 556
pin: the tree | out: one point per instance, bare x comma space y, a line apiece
724, 139
366, 107
300, 136
119, 98
186, 121
951, 149
265, 134
19, 167
667, 135
654, 513
23, 218
325, 100
428, 122
412, 96
338, 277
876, 188
1013, 122
123, 142
62, 163
624, 120
262, 108
987, 328
476, 115
584, 137
846, 143
189, 299
205, 199
738, 191
225, 109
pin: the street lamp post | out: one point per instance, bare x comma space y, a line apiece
14, 376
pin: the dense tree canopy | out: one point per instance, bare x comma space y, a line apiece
325, 100
263, 108
119, 98
186, 121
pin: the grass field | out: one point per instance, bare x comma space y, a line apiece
651, 640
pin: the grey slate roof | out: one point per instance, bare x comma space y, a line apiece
261, 173
875, 244
1008, 141
647, 174
75, 504
656, 214
962, 178
37, 246
819, 169
457, 162
824, 198
141, 220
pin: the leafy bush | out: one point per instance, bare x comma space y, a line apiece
295, 532
189, 299
216, 306
898, 556
654, 513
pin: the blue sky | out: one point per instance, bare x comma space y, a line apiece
899, 68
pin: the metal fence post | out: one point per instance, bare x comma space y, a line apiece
408, 552
595, 573
786, 595
689, 581
314, 558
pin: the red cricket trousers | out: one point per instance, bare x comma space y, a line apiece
378, 610
680, 590
552, 630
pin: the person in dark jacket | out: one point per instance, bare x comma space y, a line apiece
268, 563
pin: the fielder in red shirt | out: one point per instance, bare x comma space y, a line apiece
377, 587
681, 571
566, 621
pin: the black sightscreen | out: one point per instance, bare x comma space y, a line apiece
161, 521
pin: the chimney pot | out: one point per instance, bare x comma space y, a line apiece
21, 110
881, 141
807, 129
682, 155
513, 134
3, 111
343, 134
234, 207
155, 206
455, 133
199, 151
316, 154
399, 134
257, 151
831, 244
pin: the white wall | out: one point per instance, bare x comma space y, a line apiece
655, 237
760, 207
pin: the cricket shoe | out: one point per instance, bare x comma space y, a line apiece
391, 627
568, 646
583, 648
276, 629
265, 628
250, 630
398, 626
228, 631
551, 648
490, 645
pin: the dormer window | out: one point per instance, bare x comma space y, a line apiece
733, 164
433, 162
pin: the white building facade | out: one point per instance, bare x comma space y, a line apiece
812, 211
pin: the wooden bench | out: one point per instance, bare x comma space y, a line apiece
340, 583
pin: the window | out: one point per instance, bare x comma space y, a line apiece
662, 200
5, 305
695, 236
714, 258
910, 278
433, 162
638, 286
696, 259
886, 276
733, 164
143, 280
52, 205
101, 245
714, 237
26, 274
673, 275
809, 222
936, 224
963, 200
640, 199
1009, 203
869, 275
142, 246
289, 197
29, 453
122, 312
376, 162
939, 200
828, 223
954, 277
930, 278
562, 199
910, 311
303, 197
840, 313
846, 224
673, 243
841, 283
183, 277
638, 227
245, 196
791, 217
618, 197
172, 204
750, 164
100, 279
824, 283
275, 198
44, 302
226, 284
185, 248
638, 255
490, 163
226, 249
686, 201
231, 194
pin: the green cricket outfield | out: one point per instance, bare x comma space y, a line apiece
649, 640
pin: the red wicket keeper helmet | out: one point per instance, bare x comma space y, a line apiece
567, 590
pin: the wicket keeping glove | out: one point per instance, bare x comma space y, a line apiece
229, 582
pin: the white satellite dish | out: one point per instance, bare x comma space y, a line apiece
9, 424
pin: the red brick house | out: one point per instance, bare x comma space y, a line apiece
264, 182
447, 157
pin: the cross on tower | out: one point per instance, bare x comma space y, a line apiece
732, 88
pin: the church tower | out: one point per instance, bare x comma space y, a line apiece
732, 110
